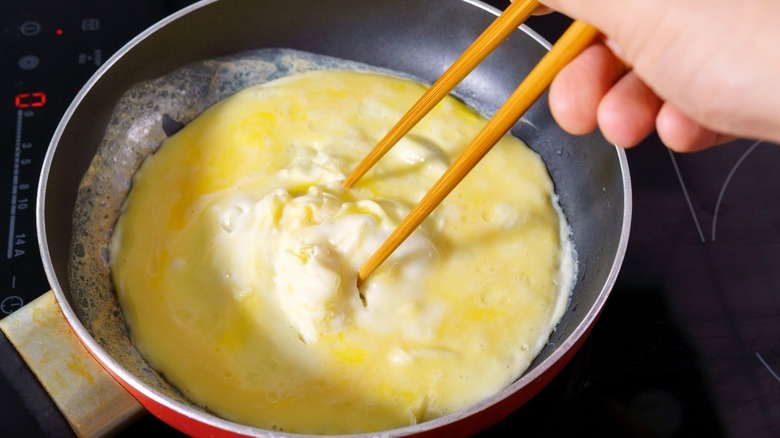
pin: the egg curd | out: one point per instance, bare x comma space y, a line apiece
235, 259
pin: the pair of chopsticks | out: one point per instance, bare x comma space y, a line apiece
576, 38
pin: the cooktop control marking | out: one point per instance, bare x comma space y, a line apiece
687, 196
726, 183
768, 368
15, 185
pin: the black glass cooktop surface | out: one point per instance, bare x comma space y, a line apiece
689, 340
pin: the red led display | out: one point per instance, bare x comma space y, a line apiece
30, 100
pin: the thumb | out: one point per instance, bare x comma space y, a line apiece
609, 15
628, 22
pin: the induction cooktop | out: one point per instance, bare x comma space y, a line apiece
688, 343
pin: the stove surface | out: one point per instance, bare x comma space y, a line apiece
689, 340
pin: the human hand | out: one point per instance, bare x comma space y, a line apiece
699, 72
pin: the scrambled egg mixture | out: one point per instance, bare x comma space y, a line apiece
236, 259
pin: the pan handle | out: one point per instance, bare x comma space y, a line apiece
93, 403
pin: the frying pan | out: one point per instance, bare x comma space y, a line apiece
102, 139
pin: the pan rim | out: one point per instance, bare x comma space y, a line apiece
127, 378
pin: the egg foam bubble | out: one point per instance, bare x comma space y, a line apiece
235, 259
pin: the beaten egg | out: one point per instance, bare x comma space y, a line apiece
235, 259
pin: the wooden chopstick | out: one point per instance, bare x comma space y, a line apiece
506, 23
576, 38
